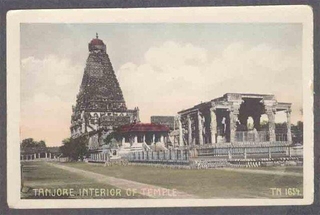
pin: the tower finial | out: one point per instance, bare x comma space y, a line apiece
97, 35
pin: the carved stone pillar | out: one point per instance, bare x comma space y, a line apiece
234, 112
180, 131
289, 135
271, 117
189, 130
213, 125
200, 129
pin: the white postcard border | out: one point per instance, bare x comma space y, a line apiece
257, 14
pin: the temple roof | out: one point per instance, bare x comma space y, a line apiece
96, 42
143, 127
229, 98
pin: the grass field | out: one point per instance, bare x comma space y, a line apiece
212, 183
295, 169
39, 175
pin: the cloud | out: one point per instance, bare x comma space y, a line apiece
52, 75
48, 90
175, 76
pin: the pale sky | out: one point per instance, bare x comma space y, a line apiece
161, 68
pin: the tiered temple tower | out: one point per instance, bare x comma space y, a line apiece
100, 106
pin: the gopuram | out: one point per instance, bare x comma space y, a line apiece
224, 121
100, 106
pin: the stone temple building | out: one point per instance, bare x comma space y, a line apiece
100, 106
168, 121
225, 120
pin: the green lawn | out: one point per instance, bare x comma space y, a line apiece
212, 183
293, 169
38, 175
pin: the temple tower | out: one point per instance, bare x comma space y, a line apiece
100, 88
100, 105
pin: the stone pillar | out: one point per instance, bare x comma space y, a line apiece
289, 151
123, 140
289, 135
269, 151
213, 125
271, 117
135, 139
161, 138
229, 154
189, 130
234, 112
153, 138
180, 131
200, 128
144, 138
35, 156
46, 155
245, 153
39, 155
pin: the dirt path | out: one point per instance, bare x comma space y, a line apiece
267, 172
143, 189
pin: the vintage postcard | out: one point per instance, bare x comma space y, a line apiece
161, 107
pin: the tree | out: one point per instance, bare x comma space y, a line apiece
111, 140
29, 142
26, 143
41, 143
109, 137
66, 147
75, 149
80, 147
297, 132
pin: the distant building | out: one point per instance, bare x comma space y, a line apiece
168, 121
148, 133
39, 153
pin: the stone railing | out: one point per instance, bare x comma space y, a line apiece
249, 152
167, 156
258, 136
